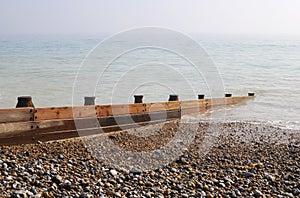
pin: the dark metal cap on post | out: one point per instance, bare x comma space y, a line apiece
24, 101
138, 98
173, 98
227, 95
89, 100
201, 96
251, 94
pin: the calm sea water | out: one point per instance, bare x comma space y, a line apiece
45, 68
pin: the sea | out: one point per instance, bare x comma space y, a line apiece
56, 70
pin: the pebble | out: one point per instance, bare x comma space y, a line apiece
228, 180
57, 179
181, 160
125, 189
9, 178
67, 181
205, 187
249, 174
4, 166
136, 171
257, 193
288, 194
270, 177
209, 195
113, 172
160, 195
222, 185
296, 192
184, 195
61, 156
233, 194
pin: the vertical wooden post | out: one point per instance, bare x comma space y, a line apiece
201, 96
173, 98
251, 94
24, 101
138, 98
89, 100
228, 95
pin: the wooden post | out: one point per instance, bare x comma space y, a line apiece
201, 96
227, 95
173, 98
138, 98
251, 94
24, 101
89, 100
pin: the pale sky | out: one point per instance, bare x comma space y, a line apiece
111, 16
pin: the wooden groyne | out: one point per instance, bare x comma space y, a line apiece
27, 124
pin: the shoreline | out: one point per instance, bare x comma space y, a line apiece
243, 159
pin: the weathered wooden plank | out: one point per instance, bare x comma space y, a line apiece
162, 106
201, 104
136, 118
16, 115
86, 111
195, 106
241, 99
227, 101
64, 112
44, 126
57, 135
193, 103
16, 128
163, 115
218, 101
26, 114
14, 123
110, 110
206, 103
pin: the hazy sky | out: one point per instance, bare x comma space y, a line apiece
110, 16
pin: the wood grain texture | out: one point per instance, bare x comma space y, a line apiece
194, 103
35, 128
16, 128
64, 112
196, 106
110, 110
241, 100
16, 115
162, 106
58, 135
87, 111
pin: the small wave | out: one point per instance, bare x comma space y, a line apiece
282, 124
